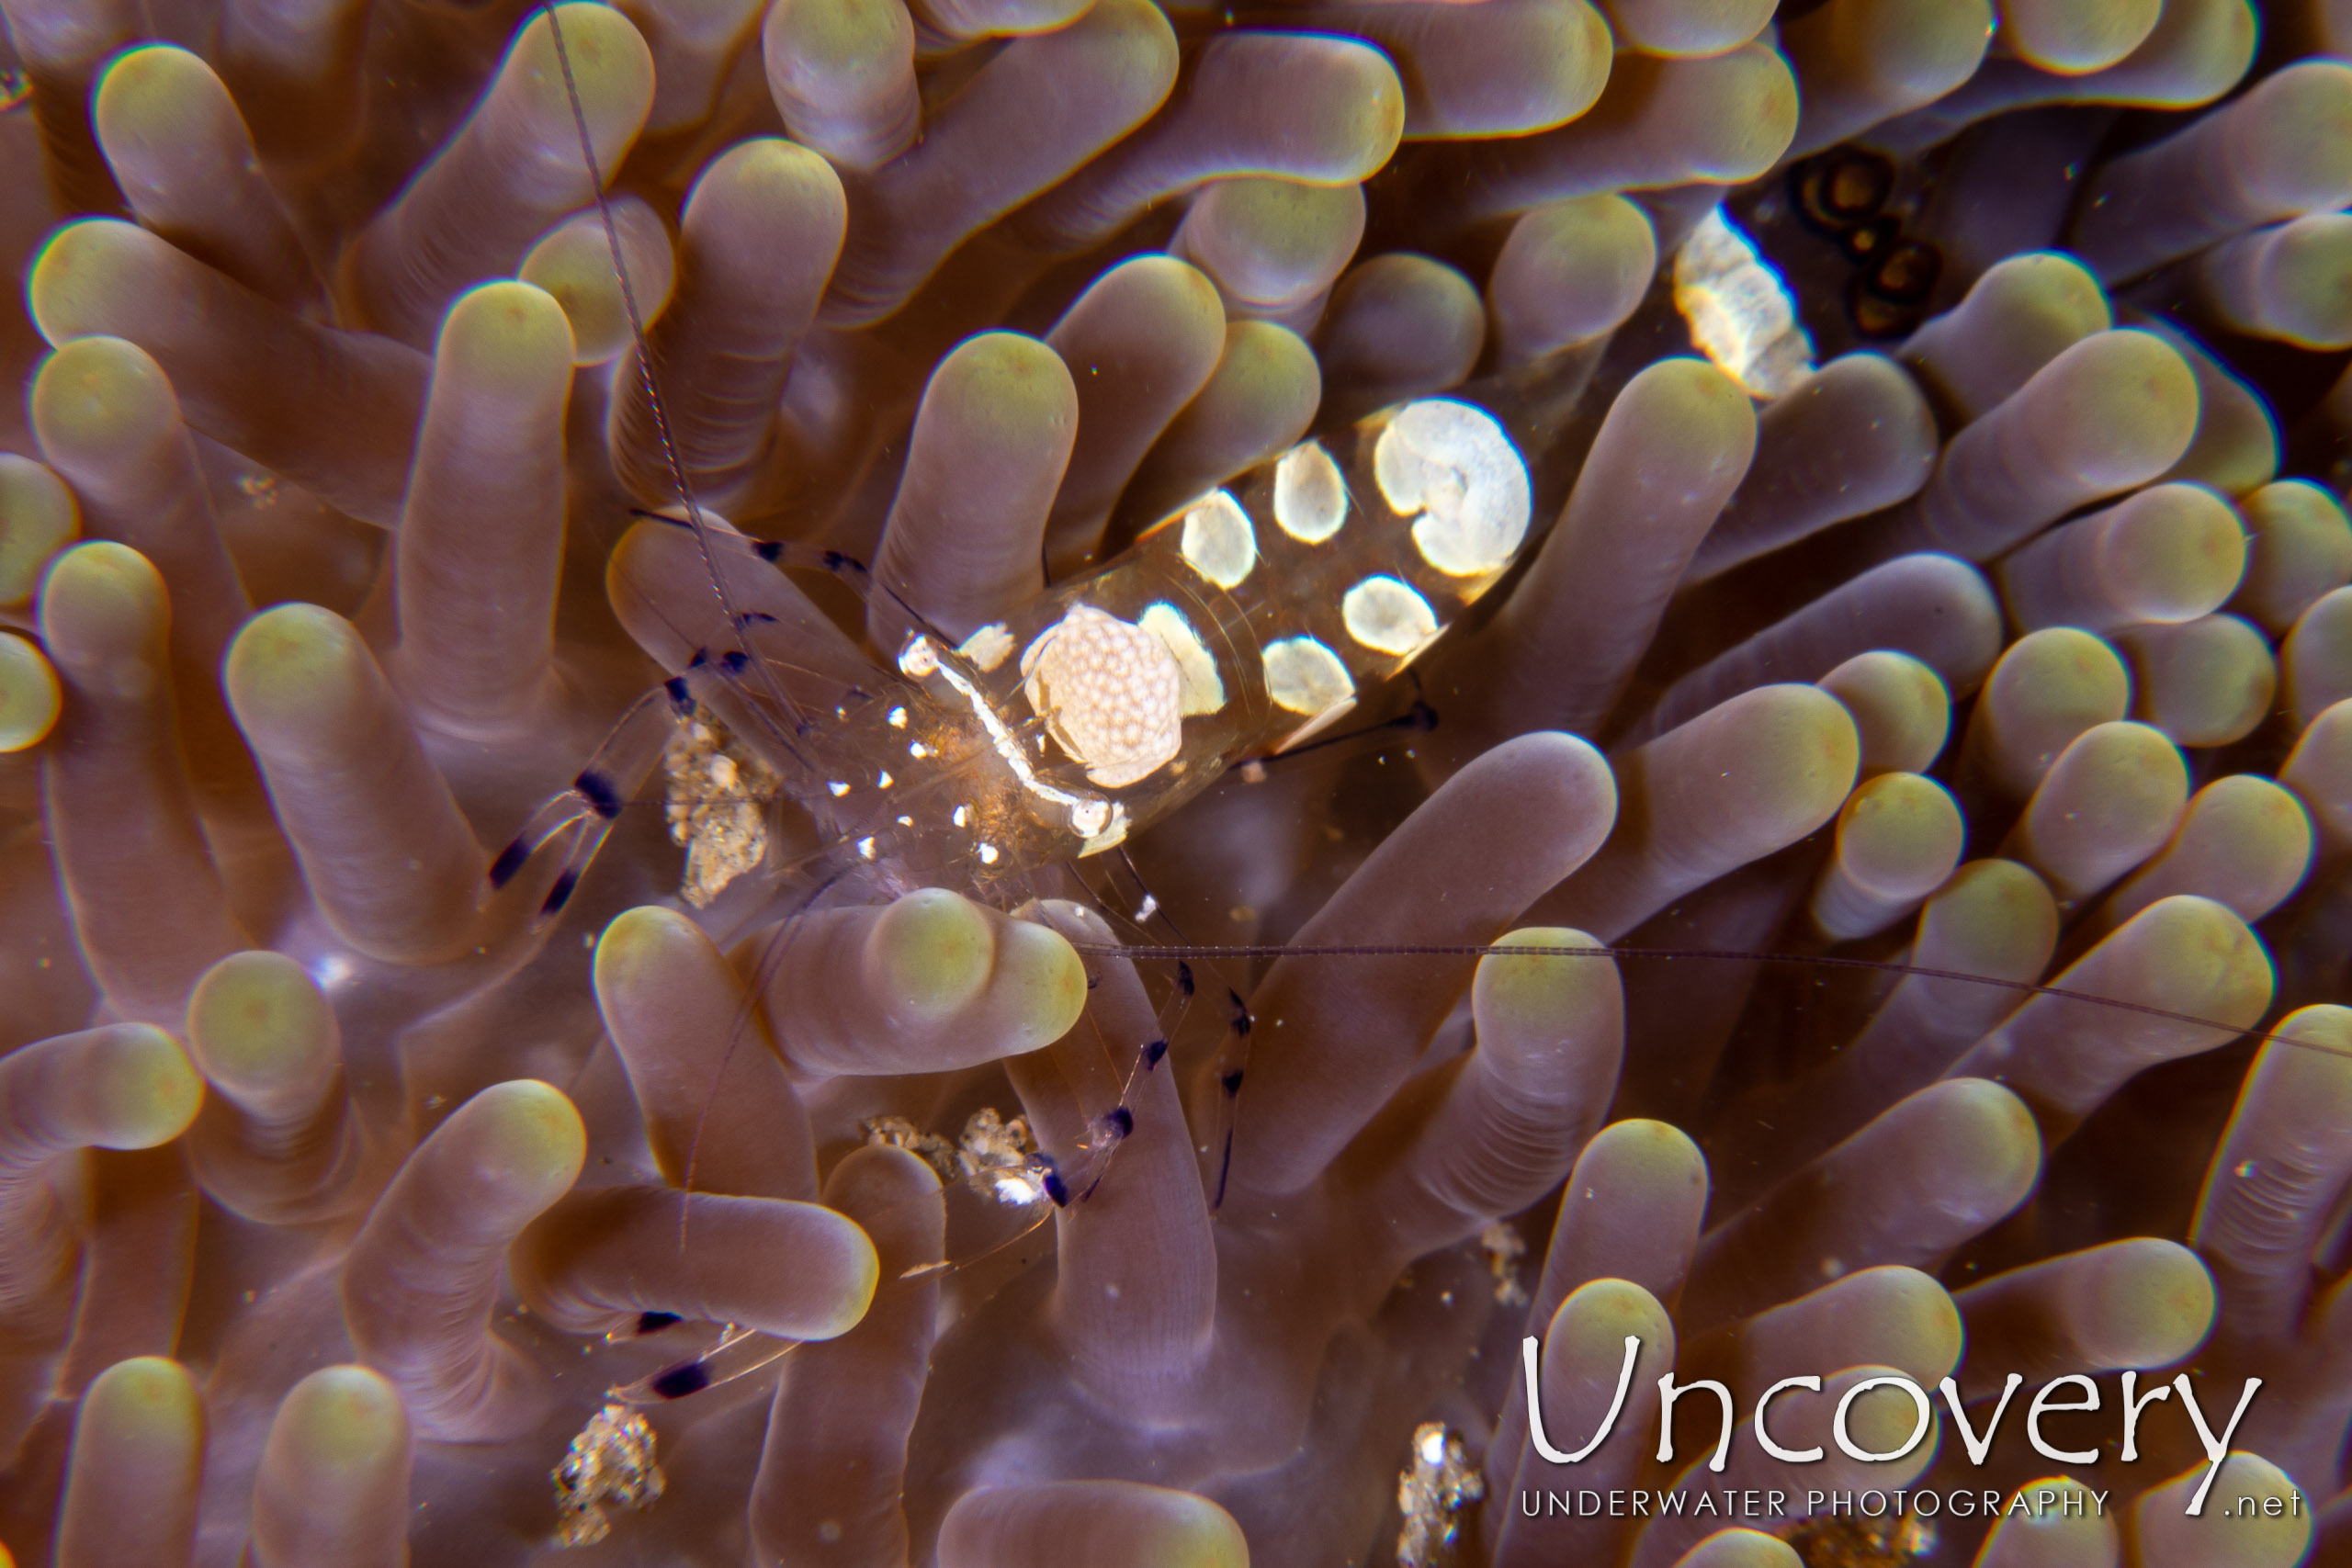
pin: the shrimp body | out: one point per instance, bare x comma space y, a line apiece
1249, 621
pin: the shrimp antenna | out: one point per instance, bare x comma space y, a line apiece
643, 348
1695, 955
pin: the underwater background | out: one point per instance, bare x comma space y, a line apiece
532, 882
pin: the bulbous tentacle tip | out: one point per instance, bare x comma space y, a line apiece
85, 270
1741, 1547
1065, 1522
636, 941
152, 91
508, 337
932, 952
293, 664
258, 1023
2068, 1529
147, 1396
333, 1480
608, 63
1544, 987
139, 1088
1991, 1132
100, 399
345, 1419
1044, 979
2153, 1304
2142, 396
104, 617
528, 1139
2274, 1532
137, 1457
1593, 1324
38, 518
30, 699
574, 265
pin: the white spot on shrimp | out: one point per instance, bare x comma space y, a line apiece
1304, 676
898, 719
986, 649
865, 848
883, 779
987, 854
1450, 469
1219, 544
1310, 498
962, 816
1739, 311
1110, 693
917, 749
1195, 669
1387, 616
836, 789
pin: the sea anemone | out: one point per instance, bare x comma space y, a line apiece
1820, 857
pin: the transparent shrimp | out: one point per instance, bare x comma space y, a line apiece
1252, 622
1050, 735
